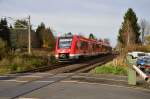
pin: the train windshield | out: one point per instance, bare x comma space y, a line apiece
65, 42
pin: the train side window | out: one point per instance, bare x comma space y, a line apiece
92, 46
97, 46
84, 45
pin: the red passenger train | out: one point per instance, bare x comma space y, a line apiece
71, 47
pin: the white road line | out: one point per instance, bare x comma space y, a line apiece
36, 76
100, 78
14, 80
99, 75
4, 76
39, 73
27, 81
45, 81
45, 73
24, 74
21, 81
69, 81
20, 74
27, 98
31, 76
60, 76
9, 80
137, 88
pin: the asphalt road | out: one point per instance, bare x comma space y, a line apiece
48, 86
74, 90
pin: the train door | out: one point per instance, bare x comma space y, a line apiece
77, 49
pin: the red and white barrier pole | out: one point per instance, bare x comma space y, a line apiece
141, 73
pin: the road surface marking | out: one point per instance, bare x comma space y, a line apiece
99, 78
31, 76
14, 80
69, 81
137, 88
45, 81
8, 80
60, 76
27, 98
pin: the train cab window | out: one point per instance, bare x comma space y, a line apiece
65, 42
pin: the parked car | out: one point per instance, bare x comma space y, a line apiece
136, 54
144, 63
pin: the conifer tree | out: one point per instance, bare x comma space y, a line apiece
130, 31
4, 31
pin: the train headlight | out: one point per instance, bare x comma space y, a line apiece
56, 55
62, 55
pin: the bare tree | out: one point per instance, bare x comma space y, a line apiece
145, 29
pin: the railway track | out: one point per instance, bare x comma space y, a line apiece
73, 69
68, 66
93, 64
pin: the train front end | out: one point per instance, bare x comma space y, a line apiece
64, 48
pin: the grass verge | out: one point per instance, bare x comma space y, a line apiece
110, 69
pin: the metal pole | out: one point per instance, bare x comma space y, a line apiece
128, 38
29, 36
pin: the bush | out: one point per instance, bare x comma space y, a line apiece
4, 62
37, 62
16, 62
52, 59
13, 67
4, 66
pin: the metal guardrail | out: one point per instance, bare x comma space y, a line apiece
133, 70
141, 73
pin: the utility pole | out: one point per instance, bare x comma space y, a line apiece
29, 35
128, 31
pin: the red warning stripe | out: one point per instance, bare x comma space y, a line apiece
147, 66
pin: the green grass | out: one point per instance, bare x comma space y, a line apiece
18, 63
110, 69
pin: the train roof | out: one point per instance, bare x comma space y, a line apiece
69, 35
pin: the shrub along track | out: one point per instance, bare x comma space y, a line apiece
74, 69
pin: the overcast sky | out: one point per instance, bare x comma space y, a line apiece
100, 17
